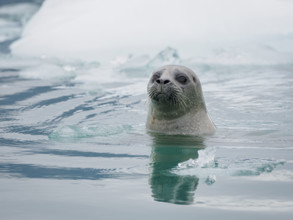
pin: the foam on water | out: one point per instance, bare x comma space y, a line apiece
75, 132
207, 166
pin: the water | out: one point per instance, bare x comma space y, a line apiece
74, 145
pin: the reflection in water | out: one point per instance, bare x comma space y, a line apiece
167, 152
35, 171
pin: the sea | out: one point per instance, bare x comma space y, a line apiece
73, 141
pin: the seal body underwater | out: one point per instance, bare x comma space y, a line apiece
176, 103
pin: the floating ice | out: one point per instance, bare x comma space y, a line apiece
12, 19
75, 132
206, 158
165, 57
246, 55
92, 74
206, 167
102, 30
48, 71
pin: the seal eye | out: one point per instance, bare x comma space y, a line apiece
182, 79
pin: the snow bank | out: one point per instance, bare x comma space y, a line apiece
101, 30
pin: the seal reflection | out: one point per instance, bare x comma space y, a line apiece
167, 152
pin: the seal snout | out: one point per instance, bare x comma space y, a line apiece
162, 90
162, 81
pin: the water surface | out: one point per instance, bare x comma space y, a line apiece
74, 144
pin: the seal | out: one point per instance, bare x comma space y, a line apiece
176, 103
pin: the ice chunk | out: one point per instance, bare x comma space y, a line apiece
102, 30
167, 56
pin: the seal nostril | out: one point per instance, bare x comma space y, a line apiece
166, 81
158, 81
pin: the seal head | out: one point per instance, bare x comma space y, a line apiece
176, 103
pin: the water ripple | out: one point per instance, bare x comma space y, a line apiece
34, 171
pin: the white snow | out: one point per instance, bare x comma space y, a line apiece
102, 30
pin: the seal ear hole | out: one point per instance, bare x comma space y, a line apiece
194, 80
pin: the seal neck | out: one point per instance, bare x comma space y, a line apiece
166, 112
